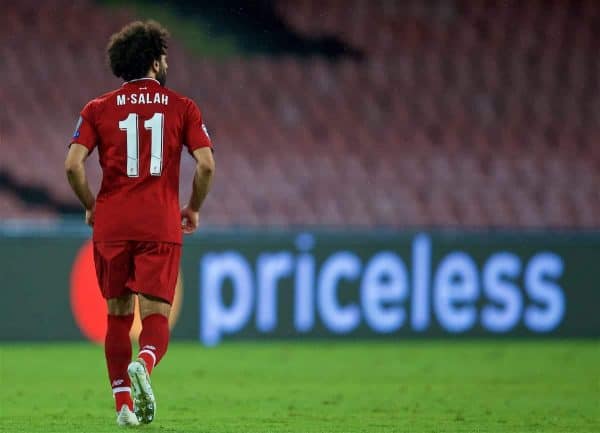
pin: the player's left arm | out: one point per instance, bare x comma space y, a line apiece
199, 144
205, 168
75, 169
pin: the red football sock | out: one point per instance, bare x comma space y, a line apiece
117, 348
154, 340
123, 397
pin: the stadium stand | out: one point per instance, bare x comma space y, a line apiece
462, 114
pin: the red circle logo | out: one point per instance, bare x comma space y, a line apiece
88, 305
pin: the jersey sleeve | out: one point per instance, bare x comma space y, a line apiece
195, 134
85, 132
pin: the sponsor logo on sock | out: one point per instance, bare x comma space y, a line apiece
117, 382
149, 348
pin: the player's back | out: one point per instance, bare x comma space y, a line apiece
140, 130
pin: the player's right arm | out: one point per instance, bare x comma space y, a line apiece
75, 169
83, 142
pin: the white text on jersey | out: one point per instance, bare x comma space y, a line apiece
143, 98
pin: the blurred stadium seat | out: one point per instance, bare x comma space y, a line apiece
463, 113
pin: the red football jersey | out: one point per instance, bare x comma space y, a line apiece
140, 130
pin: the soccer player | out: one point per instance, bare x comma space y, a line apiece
140, 130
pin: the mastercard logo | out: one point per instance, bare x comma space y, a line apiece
88, 305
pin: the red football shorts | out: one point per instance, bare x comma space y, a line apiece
149, 268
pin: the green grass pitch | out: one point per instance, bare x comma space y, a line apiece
425, 386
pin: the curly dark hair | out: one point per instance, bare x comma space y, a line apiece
135, 47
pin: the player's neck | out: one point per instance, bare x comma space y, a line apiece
153, 78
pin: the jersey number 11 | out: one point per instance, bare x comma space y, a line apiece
155, 125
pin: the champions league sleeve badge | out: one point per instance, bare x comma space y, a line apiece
76, 132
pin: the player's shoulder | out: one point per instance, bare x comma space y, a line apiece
105, 97
185, 101
97, 102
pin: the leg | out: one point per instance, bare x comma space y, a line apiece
154, 338
117, 348
113, 268
156, 269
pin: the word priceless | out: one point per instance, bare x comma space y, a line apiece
382, 294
